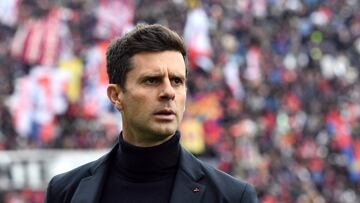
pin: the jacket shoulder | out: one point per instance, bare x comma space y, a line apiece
62, 186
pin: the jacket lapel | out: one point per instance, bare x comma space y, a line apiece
186, 185
90, 188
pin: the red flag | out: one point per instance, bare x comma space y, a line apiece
114, 18
38, 41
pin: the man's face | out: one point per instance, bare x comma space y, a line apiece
153, 99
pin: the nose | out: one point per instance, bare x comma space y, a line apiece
167, 91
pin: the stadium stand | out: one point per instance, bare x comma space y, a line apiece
274, 90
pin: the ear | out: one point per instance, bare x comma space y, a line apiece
115, 95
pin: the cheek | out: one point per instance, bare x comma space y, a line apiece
182, 102
140, 104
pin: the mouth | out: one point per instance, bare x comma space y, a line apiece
164, 114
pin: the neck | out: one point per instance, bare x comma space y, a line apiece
148, 163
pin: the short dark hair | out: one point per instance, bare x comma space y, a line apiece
143, 38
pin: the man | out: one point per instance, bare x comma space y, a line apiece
147, 73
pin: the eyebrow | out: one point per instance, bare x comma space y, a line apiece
180, 76
160, 75
150, 75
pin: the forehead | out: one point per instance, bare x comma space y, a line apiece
164, 61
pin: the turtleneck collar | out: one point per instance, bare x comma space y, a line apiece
143, 164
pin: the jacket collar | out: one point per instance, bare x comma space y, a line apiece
186, 187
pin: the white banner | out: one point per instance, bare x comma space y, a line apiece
33, 169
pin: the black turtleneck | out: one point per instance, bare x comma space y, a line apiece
142, 174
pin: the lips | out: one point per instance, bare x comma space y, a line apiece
165, 114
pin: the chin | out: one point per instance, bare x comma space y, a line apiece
165, 132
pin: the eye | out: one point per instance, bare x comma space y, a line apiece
151, 80
177, 81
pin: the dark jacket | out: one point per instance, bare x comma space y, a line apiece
195, 182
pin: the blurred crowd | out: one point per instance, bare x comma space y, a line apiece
273, 89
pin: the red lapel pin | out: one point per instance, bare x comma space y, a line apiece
196, 189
